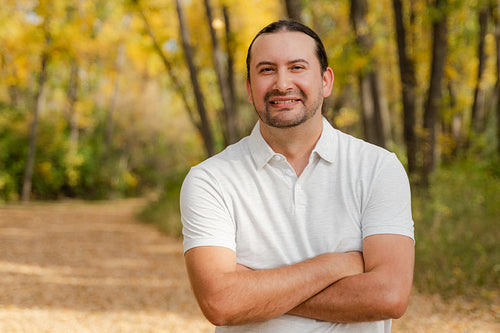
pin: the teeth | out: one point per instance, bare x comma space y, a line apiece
284, 102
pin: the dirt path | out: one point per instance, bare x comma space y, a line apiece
79, 267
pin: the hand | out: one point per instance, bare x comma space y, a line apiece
343, 264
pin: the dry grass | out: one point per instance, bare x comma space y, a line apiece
80, 267
77, 267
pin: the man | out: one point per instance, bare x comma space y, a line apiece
274, 226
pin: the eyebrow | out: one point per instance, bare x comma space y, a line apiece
263, 63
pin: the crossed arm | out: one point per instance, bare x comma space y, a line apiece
336, 287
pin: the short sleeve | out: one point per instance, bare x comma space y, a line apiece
205, 218
388, 209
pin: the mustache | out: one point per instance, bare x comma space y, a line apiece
276, 93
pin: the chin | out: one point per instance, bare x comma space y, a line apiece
285, 123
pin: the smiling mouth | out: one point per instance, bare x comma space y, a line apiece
288, 101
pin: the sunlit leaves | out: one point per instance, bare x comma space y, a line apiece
121, 77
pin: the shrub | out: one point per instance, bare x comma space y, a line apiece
164, 213
457, 231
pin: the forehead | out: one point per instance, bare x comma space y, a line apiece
283, 46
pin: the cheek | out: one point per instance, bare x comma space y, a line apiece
256, 93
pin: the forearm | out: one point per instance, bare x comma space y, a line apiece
363, 297
244, 297
381, 292
238, 297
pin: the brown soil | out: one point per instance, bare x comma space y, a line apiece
80, 267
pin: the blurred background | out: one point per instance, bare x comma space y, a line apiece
106, 99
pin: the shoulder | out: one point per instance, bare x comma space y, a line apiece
358, 150
232, 154
359, 159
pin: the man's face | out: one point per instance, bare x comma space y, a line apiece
286, 83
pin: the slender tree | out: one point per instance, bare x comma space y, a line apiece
293, 10
201, 122
230, 49
73, 84
408, 83
496, 17
228, 107
113, 105
373, 101
434, 94
477, 114
72, 96
42, 79
176, 81
193, 73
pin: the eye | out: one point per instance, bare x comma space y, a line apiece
266, 70
298, 68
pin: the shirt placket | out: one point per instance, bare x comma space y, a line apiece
299, 194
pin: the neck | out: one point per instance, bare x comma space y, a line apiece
295, 143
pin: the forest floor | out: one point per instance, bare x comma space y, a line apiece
91, 267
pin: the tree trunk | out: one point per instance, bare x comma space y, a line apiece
228, 108
496, 18
178, 84
373, 102
202, 125
193, 73
72, 92
408, 83
113, 105
477, 115
381, 107
230, 67
367, 109
293, 10
30, 160
439, 54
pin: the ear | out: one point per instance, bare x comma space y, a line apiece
249, 91
328, 79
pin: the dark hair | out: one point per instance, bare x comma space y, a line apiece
287, 25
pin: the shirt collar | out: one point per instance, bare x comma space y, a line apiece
325, 145
259, 148
262, 152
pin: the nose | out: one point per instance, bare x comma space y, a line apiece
283, 81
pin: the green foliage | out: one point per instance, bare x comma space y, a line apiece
12, 153
457, 232
49, 173
164, 212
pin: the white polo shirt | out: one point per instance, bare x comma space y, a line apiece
248, 198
